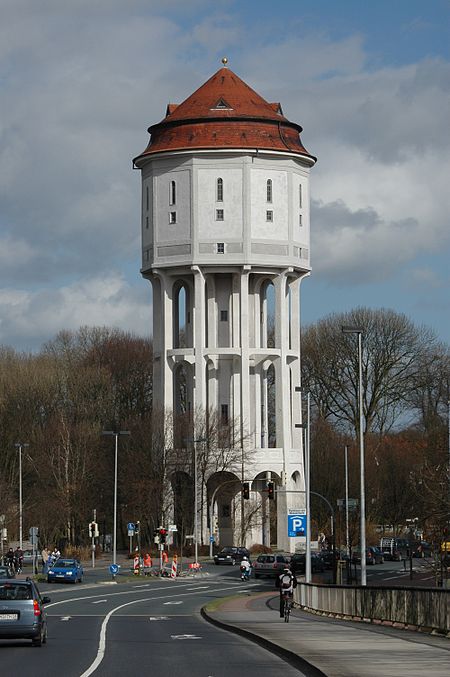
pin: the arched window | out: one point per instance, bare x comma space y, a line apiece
269, 190
172, 193
219, 196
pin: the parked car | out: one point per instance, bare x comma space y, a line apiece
28, 556
394, 548
373, 556
298, 563
422, 549
270, 565
22, 614
231, 555
327, 557
65, 570
6, 571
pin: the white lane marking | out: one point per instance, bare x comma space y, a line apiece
184, 637
114, 594
102, 640
158, 618
173, 602
200, 587
99, 601
147, 585
66, 618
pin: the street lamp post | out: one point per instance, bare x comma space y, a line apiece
116, 434
359, 332
307, 437
194, 443
20, 446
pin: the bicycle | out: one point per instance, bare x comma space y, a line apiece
287, 606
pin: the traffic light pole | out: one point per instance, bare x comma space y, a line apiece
93, 540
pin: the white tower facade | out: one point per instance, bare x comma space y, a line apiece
225, 244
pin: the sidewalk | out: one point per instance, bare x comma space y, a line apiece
323, 646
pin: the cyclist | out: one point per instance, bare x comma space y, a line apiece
245, 569
288, 582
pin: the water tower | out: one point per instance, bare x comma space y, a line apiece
225, 245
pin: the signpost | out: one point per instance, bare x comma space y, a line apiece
131, 527
296, 522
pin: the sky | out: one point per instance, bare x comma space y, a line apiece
81, 81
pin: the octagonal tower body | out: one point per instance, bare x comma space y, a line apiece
225, 244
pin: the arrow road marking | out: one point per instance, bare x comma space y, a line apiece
184, 637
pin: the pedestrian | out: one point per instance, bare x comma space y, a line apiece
147, 563
45, 554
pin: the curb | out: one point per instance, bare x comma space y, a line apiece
290, 657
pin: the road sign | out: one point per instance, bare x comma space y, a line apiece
296, 524
173, 527
211, 539
114, 569
131, 527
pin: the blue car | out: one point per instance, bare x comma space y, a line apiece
65, 570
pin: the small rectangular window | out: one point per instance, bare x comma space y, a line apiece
146, 222
300, 220
300, 196
172, 217
147, 255
147, 197
219, 195
219, 214
269, 190
224, 413
172, 193
221, 248
269, 215
224, 315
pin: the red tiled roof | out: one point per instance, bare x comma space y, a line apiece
225, 113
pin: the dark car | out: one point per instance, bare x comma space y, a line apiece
422, 549
270, 565
231, 555
298, 563
22, 614
373, 556
6, 571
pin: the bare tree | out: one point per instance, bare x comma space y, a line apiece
393, 349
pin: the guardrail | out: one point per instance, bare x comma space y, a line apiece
411, 608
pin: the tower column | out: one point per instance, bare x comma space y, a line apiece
199, 386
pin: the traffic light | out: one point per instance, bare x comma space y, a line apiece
92, 529
162, 535
156, 536
245, 490
271, 490
136, 527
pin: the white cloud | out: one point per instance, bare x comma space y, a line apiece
29, 317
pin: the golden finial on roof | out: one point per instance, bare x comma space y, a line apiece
225, 61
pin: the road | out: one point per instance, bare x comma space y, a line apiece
139, 627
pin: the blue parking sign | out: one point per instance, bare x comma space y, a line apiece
296, 524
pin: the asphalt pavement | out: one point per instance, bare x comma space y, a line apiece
324, 646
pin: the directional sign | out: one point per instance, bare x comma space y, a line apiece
131, 526
296, 524
114, 569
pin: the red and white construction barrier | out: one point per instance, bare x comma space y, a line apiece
173, 573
